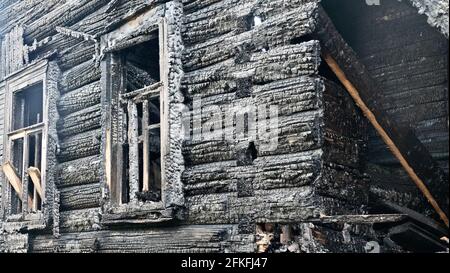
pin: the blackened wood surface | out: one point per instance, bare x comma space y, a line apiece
412, 149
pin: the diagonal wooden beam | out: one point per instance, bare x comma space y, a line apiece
35, 176
384, 134
406, 147
13, 178
15, 181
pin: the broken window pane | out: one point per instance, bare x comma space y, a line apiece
27, 107
141, 159
34, 162
149, 152
26, 147
142, 64
17, 163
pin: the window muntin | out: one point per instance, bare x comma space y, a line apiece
135, 170
160, 26
141, 105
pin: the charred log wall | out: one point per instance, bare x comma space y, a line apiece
251, 52
409, 60
316, 166
236, 52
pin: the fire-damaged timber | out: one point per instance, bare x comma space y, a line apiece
217, 126
411, 153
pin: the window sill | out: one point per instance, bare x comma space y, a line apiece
31, 222
138, 214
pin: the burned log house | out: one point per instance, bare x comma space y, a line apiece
94, 157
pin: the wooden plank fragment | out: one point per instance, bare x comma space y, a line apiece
13, 178
35, 176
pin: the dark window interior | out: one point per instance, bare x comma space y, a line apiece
27, 107
342, 14
27, 111
34, 160
142, 64
142, 69
17, 162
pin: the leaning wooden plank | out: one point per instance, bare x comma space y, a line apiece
13, 178
35, 176
411, 153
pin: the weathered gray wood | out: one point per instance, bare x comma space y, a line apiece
145, 147
291, 61
294, 23
417, 217
270, 172
138, 217
12, 52
296, 205
138, 78
77, 54
235, 17
257, 52
80, 220
297, 133
63, 15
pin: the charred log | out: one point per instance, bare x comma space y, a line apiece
79, 99
80, 197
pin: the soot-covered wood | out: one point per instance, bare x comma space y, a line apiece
230, 52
